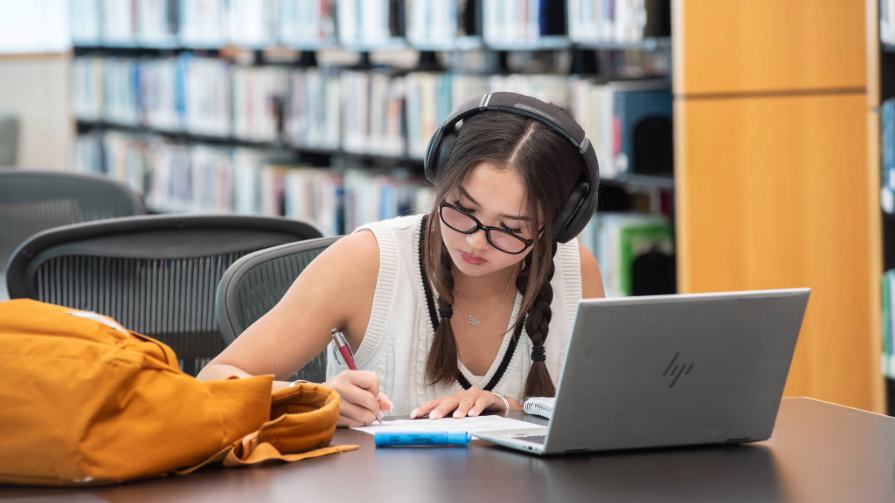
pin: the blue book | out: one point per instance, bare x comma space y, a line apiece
642, 117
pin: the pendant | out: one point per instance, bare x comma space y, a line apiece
472, 320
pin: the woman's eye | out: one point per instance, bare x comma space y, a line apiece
514, 230
462, 208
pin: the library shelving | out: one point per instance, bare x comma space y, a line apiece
881, 71
322, 110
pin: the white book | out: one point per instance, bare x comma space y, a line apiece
203, 22
84, 21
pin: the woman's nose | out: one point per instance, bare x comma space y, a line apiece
477, 239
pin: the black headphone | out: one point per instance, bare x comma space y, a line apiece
582, 202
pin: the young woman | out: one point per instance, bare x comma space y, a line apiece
466, 309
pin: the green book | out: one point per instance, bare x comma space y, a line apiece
637, 240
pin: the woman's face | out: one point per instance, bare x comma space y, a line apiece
496, 197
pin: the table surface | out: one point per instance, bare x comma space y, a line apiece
819, 452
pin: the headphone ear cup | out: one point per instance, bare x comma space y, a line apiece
438, 157
566, 223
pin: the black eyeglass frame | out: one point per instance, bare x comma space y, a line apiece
480, 226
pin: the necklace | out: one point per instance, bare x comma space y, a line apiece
473, 320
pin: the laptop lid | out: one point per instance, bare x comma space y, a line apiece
675, 370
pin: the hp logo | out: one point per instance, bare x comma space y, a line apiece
676, 370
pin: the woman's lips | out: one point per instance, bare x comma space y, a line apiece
472, 259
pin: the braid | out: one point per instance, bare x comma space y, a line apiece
441, 365
537, 324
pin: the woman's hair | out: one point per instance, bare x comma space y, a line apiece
549, 168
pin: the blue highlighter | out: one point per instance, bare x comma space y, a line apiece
399, 438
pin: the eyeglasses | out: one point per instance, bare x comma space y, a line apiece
463, 222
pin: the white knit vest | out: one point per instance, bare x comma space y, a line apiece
399, 333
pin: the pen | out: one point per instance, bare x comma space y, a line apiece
342, 344
398, 438
345, 350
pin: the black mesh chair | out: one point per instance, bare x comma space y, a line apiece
31, 201
256, 282
154, 274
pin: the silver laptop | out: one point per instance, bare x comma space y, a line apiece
670, 370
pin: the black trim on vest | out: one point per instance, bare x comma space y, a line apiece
433, 317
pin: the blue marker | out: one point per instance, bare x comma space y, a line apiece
396, 438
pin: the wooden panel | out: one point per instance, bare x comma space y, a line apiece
775, 192
732, 46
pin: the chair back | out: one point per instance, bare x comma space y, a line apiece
256, 282
9, 138
155, 274
31, 201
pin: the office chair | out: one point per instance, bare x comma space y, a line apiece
31, 201
154, 274
256, 282
9, 138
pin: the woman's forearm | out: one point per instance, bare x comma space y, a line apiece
221, 371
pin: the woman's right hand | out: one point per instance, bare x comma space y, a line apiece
362, 402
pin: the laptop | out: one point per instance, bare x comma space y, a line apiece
669, 370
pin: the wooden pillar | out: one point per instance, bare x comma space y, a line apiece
774, 185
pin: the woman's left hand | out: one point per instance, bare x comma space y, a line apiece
470, 402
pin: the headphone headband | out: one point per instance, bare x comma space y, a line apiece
582, 202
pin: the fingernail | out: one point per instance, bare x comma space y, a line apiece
413, 414
456, 413
472, 413
433, 415
380, 414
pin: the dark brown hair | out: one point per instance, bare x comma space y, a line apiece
549, 168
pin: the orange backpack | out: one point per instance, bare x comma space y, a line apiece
85, 401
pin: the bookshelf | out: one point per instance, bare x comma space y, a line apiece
881, 123
262, 106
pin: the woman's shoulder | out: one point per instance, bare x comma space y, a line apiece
408, 223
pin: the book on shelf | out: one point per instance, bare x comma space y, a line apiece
119, 22
206, 86
887, 342
157, 89
887, 21
179, 177
371, 23
629, 123
368, 22
157, 22
887, 156
521, 21
84, 22
618, 21
259, 98
635, 252
372, 112
121, 102
377, 111
440, 22
306, 22
251, 23
203, 23
313, 114
430, 97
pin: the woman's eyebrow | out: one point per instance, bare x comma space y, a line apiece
502, 215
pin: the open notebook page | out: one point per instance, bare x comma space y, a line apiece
471, 424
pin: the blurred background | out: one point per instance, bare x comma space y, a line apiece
743, 144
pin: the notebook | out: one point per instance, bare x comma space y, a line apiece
539, 406
669, 370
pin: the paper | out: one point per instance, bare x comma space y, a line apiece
471, 424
